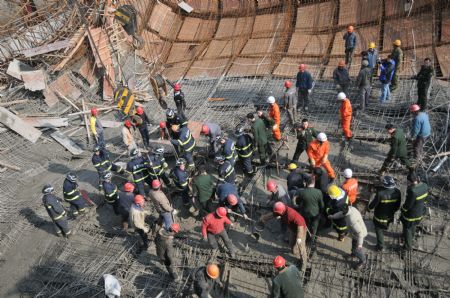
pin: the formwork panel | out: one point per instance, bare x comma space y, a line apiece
401, 7
207, 68
204, 6
258, 46
445, 27
175, 71
235, 6
164, 21
229, 27
250, 67
288, 67
182, 52
364, 36
221, 48
443, 56
268, 3
196, 29
353, 12
408, 31
315, 16
309, 44
267, 24
153, 46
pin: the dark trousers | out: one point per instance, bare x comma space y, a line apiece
380, 236
348, 58
77, 206
181, 107
388, 161
312, 222
262, 152
62, 226
418, 147
185, 195
140, 187
212, 240
303, 98
189, 158
409, 231
144, 133
167, 260
358, 252
298, 151
247, 165
167, 220
364, 95
422, 95
394, 81
144, 237
100, 139
115, 206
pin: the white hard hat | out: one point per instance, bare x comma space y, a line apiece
322, 137
341, 96
271, 99
348, 173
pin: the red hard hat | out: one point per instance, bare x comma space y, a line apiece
232, 199
302, 67
279, 208
177, 87
221, 211
162, 124
279, 262
94, 112
271, 186
156, 184
127, 123
287, 84
205, 129
175, 227
139, 110
138, 199
414, 108
128, 187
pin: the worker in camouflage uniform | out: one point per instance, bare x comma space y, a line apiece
259, 136
398, 149
397, 56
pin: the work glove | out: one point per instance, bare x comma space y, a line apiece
165, 165
309, 91
229, 210
245, 216
205, 238
275, 127
175, 212
299, 241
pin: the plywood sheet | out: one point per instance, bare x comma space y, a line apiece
196, 29
18, 125
220, 48
445, 27
46, 121
250, 67
204, 6
309, 44
443, 56
288, 67
153, 46
394, 7
268, 3
415, 30
364, 36
164, 21
229, 27
258, 46
267, 24
175, 71
67, 142
34, 80
182, 52
234, 6
315, 16
353, 12
207, 68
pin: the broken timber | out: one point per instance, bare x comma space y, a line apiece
58, 45
11, 167
18, 125
67, 143
46, 122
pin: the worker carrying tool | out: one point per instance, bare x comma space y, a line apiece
128, 135
111, 192
277, 194
228, 197
157, 165
275, 116
345, 117
423, 78
180, 101
244, 149
397, 57
414, 208
234, 205
337, 202
318, 151
126, 199
102, 163
304, 85
137, 219
398, 149
97, 128
73, 196
288, 281
305, 135
350, 186
204, 280
290, 101
350, 45
165, 250
162, 205
203, 190
212, 131
180, 178
138, 167
341, 78
225, 170
184, 144
142, 125
259, 136
56, 211
213, 227
420, 130
386, 201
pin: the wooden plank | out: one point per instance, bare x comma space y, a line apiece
111, 123
67, 143
7, 165
34, 80
68, 100
443, 56
18, 125
216, 99
50, 97
86, 122
79, 41
46, 122
58, 45
14, 102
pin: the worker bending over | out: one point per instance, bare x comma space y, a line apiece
318, 151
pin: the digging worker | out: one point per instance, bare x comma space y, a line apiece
127, 135
111, 192
420, 130
260, 137
142, 125
290, 100
180, 179
318, 151
126, 200
162, 204
398, 149
288, 281
295, 180
304, 85
275, 116
228, 149
73, 196
157, 165
97, 128
213, 227
178, 97
341, 77
203, 189
338, 202
138, 167
228, 197
397, 57
305, 134
345, 117
165, 250
423, 83
350, 186
385, 203
413, 208
225, 170
364, 84
102, 163
212, 131
244, 148
184, 144
350, 45
56, 211
137, 219
277, 194
204, 279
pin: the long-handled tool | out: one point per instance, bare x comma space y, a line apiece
240, 215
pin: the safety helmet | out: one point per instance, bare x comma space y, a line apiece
107, 176
159, 149
134, 152
397, 42
232, 199
212, 270
162, 124
177, 87
279, 262
372, 45
341, 63
271, 100
219, 158
127, 123
139, 199
414, 108
322, 137
181, 161
388, 182
175, 227
348, 173
170, 113
335, 192
341, 96
221, 211
302, 67
239, 130
156, 184
72, 177
128, 187
205, 129
279, 208
287, 84
292, 166
47, 189
139, 110
94, 112
271, 186
350, 29
96, 148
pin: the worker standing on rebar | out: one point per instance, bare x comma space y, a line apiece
275, 116
288, 281
364, 84
341, 77
226, 170
178, 97
157, 165
305, 134
387, 69
97, 128
290, 101
102, 163
162, 204
213, 227
180, 178
126, 199
165, 250
304, 85
73, 196
337, 202
423, 83
204, 279
397, 57
385, 203
203, 189
137, 219
244, 148
212, 130
398, 149
56, 211
138, 167
413, 208
350, 45
372, 57
345, 117
260, 136
350, 186
184, 144
318, 151
143, 125
228, 147
420, 130
127, 135
111, 192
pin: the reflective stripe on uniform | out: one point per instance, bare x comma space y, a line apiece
229, 173
60, 216
110, 195
69, 193
72, 199
412, 219
339, 227
422, 197
381, 220
388, 201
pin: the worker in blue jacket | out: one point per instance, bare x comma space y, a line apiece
420, 130
304, 86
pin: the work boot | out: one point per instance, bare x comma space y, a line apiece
379, 248
341, 237
359, 265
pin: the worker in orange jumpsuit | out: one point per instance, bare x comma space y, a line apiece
345, 116
350, 186
317, 151
274, 114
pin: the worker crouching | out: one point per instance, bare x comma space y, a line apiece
318, 151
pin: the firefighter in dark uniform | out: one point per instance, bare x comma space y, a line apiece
138, 167
338, 201
157, 165
173, 118
142, 125
178, 97
111, 192
414, 207
185, 144
102, 163
73, 196
180, 178
226, 170
228, 149
244, 148
56, 211
165, 250
386, 202
126, 199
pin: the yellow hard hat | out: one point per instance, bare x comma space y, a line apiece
397, 42
335, 192
372, 45
292, 166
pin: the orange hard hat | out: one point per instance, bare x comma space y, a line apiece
175, 227
139, 199
205, 129
271, 186
279, 262
287, 84
232, 199
162, 124
341, 63
156, 184
212, 270
279, 208
302, 67
350, 29
414, 108
177, 87
128, 187
127, 123
94, 112
221, 211
139, 110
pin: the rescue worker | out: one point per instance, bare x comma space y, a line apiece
178, 97
260, 136
162, 204
358, 231
296, 179
274, 114
321, 180
126, 199
387, 70
244, 148
225, 170
290, 101
305, 134
102, 163
350, 186
385, 203
413, 208
228, 197
397, 57
341, 77
423, 83
338, 203
143, 125
364, 84
288, 281
56, 211
137, 219
213, 227
304, 85
318, 151
165, 250
111, 192
180, 179
398, 149
204, 279
372, 57
345, 117
277, 194
157, 165
228, 147
203, 189
420, 130
97, 128
172, 118
73, 196
212, 131
234, 204
184, 144
350, 45
127, 135
138, 167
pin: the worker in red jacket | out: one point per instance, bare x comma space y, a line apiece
214, 226
345, 117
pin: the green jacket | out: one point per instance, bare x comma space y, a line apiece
398, 145
287, 284
310, 201
397, 56
259, 132
306, 136
413, 209
203, 186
